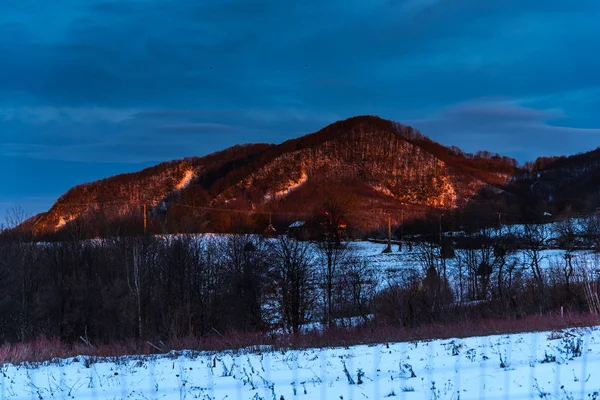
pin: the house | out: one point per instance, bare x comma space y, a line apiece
299, 230
314, 228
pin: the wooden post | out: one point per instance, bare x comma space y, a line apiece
388, 249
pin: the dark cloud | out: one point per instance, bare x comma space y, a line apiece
157, 53
507, 128
105, 135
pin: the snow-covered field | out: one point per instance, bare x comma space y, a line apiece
553, 365
394, 267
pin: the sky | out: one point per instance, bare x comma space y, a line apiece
92, 88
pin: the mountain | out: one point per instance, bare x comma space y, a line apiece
374, 166
562, 184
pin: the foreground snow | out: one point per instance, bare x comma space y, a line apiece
539, 365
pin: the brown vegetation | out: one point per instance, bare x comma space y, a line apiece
44, 349
385, 164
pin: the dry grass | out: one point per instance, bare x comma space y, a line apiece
44, 349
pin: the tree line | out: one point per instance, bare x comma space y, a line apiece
174, 286
164, 287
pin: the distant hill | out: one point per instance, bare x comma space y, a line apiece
374, 165
562, 184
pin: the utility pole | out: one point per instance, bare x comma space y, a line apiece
145, 219
441, 229
270, 231
388, 249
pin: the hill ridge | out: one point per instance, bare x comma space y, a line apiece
380, 163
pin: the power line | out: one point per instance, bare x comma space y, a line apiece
408, 208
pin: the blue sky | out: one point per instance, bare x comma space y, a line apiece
91, 88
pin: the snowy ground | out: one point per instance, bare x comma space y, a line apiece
540, 365
395, 267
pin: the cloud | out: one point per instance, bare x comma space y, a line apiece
507, 129
489, 112
107, 135
264, 54
100, 135
103, 81
44, 114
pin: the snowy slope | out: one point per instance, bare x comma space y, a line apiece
538, 365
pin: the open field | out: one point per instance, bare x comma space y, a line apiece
562, 364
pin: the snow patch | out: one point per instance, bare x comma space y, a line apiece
384, 190
290, 187
62, 221
297, 224
187, 178
554, 365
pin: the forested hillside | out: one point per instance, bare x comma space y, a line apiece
381, 165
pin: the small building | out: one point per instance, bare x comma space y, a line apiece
314, 228
299, 230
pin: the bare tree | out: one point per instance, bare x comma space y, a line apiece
480, 259
568, 233
332, 253
433, 266
569, 237
357, 287
591, 231
15, 216
245, 265
331, 257
293, 277
534, 239
23, 257
588, 277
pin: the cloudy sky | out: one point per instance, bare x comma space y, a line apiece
91, 88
